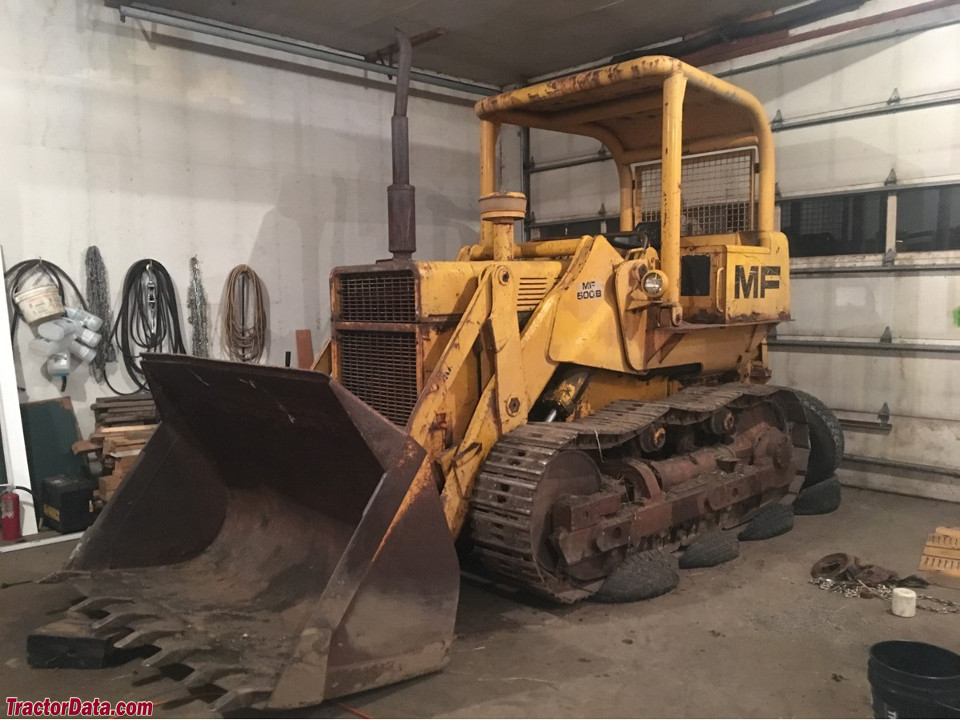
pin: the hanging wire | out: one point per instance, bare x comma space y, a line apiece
98, 303
30, 273
244, 339
148, 320
198, 312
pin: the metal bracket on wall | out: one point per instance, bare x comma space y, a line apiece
881, 424
852, 347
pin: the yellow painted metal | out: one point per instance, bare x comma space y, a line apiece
493, 327
606, 387
463, 462
756, 284
628, 209
489, 132
323, 362
671, 161
587, 328
612, 103
502, 210
547, 249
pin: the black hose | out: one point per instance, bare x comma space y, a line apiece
22, 271
148, 319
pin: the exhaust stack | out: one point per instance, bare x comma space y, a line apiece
401, 206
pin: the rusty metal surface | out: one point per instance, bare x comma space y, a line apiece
709, 470
265, 534
401, 203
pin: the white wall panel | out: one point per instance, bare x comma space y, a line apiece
577, 191
912, 384
178, 145
916, 307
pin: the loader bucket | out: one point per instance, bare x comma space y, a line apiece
277, 537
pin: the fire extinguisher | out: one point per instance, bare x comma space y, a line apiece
10, 513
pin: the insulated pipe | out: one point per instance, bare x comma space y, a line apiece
671, 163
401, 200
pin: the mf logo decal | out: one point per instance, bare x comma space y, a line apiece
589, 289
756, 281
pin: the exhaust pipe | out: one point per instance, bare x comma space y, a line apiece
401, 206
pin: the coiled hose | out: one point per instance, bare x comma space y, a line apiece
16, 279
148, 319
244, 339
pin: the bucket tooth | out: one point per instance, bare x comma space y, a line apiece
207, 673
242, 691
121, 619
94, 604
147, 634
172, 651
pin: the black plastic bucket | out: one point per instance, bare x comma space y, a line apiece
914, 680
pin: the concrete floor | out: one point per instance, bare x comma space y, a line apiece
751, 638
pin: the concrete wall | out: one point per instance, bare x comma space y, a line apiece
921, 389
151, 142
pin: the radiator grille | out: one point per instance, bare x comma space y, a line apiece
381, 369
377, 297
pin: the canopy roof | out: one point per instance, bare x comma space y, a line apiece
622, 106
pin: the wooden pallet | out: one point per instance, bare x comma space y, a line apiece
940, 562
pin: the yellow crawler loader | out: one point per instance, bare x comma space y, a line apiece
577, 410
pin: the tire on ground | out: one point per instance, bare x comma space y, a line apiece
818, 499
640, 576
826, 439
771, 521
709, 549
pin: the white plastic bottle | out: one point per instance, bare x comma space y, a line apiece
54, 330
82, 352
87, 319
73, 327
58, 365
43, 347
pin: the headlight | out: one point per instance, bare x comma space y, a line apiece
654, 283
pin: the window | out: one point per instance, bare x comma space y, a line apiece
575, 228
928, 219
835, 225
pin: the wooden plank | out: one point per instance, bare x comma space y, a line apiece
108, 484
304, 349
84, 446
940, 561
939, 552
126, 429
121, 399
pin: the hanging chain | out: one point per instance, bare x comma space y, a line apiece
197, 312
857, 589
98, 303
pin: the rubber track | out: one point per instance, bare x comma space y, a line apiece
502, 502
